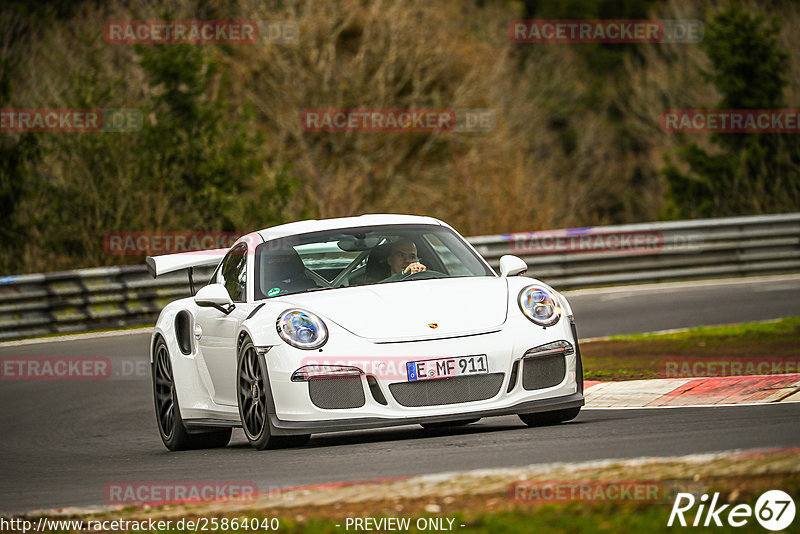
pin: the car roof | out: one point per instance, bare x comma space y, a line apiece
317, 225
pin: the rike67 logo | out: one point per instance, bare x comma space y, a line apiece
774, 510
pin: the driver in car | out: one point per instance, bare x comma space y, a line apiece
403, 260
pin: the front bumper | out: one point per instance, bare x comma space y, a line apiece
293, 411
284, 428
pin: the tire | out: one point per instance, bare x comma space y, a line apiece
254, 398
168, 414
549, 418
449, 424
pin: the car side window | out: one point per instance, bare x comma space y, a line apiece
451, 262
234, 272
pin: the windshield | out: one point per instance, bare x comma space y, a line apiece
362, 256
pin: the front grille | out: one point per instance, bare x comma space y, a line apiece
447, 390
336, 393
543, 372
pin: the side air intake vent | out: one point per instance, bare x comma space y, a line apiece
183, 324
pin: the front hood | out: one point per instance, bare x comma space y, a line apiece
406, 310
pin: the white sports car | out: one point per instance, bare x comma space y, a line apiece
356, 323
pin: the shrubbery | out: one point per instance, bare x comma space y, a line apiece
744, 173
576, 140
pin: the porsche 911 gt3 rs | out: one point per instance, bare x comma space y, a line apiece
356, 323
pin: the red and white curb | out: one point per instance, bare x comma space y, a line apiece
706, 391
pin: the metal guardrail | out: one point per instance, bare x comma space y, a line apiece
682, 250
108, 297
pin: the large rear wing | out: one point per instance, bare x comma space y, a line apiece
167, 263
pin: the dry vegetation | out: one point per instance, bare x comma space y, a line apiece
570, 147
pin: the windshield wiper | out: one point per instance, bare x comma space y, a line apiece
318, 289
429, 277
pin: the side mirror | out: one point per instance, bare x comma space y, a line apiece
512, 266
214, 296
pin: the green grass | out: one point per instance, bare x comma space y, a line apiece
495, 513
765, 329
642, 356
567, 518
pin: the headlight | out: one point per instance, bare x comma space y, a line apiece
539, 305
302, 329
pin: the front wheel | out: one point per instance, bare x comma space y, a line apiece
168, 414
253, 398
549, 418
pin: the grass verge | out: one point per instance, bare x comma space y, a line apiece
487, 500
642, 356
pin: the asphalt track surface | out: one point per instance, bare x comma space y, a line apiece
64, 441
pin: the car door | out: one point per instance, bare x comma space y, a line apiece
217, 331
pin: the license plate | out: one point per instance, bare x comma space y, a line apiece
447, 367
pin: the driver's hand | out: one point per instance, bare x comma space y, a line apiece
415, 267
